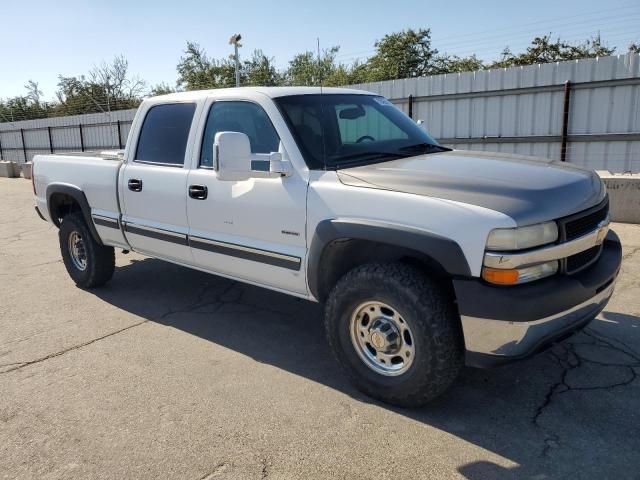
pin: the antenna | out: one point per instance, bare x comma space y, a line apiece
319, 66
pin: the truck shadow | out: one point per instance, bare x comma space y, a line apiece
567, 409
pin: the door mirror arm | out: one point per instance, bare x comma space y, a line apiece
277, 167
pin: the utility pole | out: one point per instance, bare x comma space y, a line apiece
234, 40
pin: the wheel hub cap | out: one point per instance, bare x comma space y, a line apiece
77, 251
382, 338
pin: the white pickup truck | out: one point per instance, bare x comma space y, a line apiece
425, 258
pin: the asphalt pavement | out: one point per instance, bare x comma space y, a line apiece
170, 373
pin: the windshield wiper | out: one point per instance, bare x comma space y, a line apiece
425, 148
370, 155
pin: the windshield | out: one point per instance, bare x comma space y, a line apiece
340, 131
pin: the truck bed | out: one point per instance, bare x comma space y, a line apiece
94, 174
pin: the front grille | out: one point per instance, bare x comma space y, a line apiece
582, 223
577, 225
581, 260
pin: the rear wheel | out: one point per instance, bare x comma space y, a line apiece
88, 263
395, 332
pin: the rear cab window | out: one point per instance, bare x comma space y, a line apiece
164, 134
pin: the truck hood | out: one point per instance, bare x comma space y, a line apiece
529, 190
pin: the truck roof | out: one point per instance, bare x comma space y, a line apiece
271, 92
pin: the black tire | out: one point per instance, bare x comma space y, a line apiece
100, 259
428, 311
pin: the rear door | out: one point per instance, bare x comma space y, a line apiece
153, 185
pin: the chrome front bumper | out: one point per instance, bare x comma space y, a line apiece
502, 324
517, 339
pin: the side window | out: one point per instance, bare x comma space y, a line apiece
358, 121
243, 117
164, 134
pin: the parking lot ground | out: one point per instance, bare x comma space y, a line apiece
171, 373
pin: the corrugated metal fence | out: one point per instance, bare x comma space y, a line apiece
591, 106
93, 131
585, 111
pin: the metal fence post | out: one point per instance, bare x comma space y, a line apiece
410, 106
24, 145
81, 137
50, 140
119, 136
565, 121
1, 158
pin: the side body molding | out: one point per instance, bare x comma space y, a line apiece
79, 196
443, 251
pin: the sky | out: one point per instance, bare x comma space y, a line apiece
40, 40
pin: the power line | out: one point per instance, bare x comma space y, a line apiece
554, 24
480, 48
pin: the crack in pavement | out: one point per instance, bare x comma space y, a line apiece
199, 301
15, 237
569, 360
631, 253
20, 365
218, 300
43, 264
265, 468
599, 337
217, 470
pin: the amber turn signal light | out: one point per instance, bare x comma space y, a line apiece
500, 277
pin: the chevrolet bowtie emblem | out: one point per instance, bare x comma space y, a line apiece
603, 229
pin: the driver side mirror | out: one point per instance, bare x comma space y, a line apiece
232, 156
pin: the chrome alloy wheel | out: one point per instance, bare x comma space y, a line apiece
77, 251
382, 338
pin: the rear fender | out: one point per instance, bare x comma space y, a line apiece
79, 197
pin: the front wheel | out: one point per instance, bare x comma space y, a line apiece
88, 263
395, 332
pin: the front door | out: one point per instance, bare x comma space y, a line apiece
154, 184
254, 229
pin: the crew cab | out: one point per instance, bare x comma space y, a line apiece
425, 258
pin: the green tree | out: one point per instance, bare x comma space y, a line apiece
358, 72
196, 71
107, 87
403, 54
25, 107
544, 50
634, 48
21, 108
161, 89
260, 70
34, 94
306, 69
455, 64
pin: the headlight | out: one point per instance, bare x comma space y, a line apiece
522, 237
520, 275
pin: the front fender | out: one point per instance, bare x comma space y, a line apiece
445, 252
